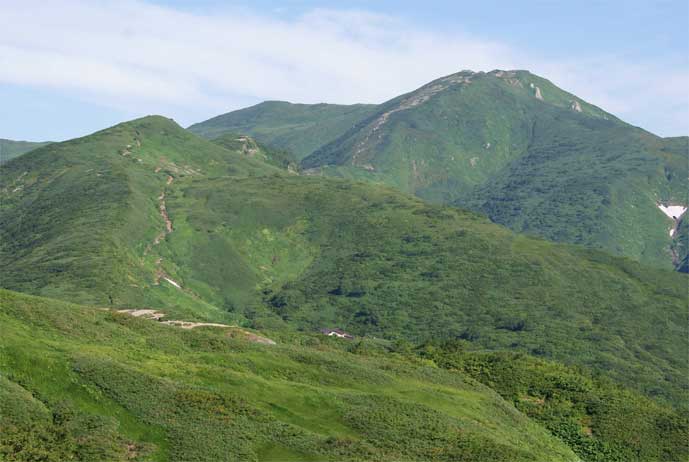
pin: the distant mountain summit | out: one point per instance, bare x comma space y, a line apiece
509, 144
9, 149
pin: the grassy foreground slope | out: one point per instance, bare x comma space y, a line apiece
9, 149
147, 214
81, 383
298, 128
600, 421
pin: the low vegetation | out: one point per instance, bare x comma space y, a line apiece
82, 383
471, 342
297, 128
91, 384
597, 418
508, 144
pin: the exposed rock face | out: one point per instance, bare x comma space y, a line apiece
575, 106
537, 91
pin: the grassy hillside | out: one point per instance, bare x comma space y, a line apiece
90, 384
298, 128
82, 220
599, 188
591, 414
9, 149
147, 214
680, 245
81, 383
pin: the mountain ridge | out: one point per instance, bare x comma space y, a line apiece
9, 149
510, 144
299, 128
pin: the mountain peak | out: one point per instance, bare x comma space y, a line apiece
154, 121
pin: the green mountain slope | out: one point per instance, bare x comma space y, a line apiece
82, 220
319, 252
147, 214
298, 128
611, 203
531, 156
81, 383
251, 148
680, 245
509, 144
9, 149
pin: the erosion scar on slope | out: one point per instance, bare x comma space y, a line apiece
162, 208
163, 212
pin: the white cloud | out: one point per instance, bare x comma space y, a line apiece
144, 58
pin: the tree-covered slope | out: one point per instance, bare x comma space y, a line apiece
528, 154
680, 245
9, 149
298, 128
82, 383
599, 188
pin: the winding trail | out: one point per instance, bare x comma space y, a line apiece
162, 209
155, 315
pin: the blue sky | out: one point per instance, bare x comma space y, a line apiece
70, 67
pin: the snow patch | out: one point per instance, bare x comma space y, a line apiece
172, 282
673, 211
538, 94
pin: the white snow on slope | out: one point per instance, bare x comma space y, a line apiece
172, 282
673, 211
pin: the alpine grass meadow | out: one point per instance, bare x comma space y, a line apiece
486, 267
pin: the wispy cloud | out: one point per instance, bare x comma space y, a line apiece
145, 58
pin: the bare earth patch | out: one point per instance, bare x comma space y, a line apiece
236, 332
